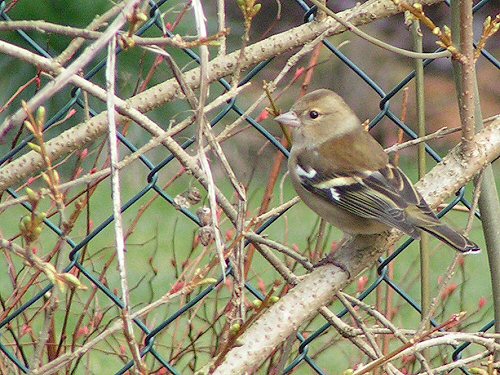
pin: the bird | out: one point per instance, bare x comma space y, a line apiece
344, 175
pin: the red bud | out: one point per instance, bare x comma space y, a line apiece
25, 329
218, 213
229, 234
84, 153
263, 115
482, 302
362, 281
298, 73
196, 241
177, 286
449, 291
83, 331
262, 286
408, 359
78, 172
70, 113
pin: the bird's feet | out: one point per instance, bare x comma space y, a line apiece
330, 259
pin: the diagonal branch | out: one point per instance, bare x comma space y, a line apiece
319, 287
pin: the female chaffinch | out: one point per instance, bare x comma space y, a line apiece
343, 174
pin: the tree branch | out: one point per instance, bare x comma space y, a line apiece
319, 287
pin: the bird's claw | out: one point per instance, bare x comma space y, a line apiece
330, 259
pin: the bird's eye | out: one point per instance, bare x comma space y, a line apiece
313, 114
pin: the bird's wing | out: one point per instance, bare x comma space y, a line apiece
373, 188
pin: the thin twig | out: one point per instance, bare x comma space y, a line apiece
412, 346
437, 134
97, 23
448, 275
221, 20
475, 202
281, 248
378, 42
348, 332
386, 322
276, 211
371, 339
467, 110
203, 129
425, 292
116, 199
458, 363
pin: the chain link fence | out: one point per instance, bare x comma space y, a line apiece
153, 346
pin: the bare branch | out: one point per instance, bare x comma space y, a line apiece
301, 303
116, 198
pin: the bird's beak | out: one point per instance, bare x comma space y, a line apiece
288, 119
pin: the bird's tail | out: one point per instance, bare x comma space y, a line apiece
450, 236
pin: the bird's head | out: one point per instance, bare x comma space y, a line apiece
319, 116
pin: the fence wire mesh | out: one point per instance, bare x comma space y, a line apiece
149, 183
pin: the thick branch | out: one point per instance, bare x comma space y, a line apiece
83, 134
319, 287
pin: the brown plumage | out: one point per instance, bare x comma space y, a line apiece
343, 174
